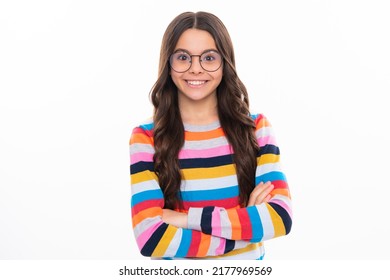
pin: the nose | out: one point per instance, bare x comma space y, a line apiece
195, 65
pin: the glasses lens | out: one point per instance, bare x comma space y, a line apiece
180, 61
211, 61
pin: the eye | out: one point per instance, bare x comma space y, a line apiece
182, 57
211, 57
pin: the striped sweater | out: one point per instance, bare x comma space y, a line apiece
217, 226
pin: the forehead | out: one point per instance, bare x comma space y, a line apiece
195, 41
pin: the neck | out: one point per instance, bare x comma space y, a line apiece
200, 112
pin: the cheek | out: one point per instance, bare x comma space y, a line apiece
218, 77
174, 76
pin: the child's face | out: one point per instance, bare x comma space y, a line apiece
196, 84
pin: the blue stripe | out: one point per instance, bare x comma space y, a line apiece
203, 195
184, 244
254, 116
146, 195
261, 257
271, 176
148, 126
257, 227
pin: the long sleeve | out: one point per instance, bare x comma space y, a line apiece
255, 223
154, 237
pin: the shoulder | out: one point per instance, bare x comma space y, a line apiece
260, 120
143, 132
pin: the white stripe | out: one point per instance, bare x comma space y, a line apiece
144, 186
266, 168
226, 230
174, 244
266, 221
265, 131
239, 244
194, 218
214, 244
141, 148
209, 184
203, 144
145, 224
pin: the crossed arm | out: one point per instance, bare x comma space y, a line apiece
261, 193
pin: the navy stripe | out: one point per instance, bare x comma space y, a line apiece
205, 222
229, 245
141, 166
202, 162
268, 149
284, 215
151, 244
206, 162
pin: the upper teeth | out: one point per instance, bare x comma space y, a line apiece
196, 82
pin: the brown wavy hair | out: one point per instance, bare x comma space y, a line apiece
233, 111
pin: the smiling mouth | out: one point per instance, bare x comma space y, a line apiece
195, 83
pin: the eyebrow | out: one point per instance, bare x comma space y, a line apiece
187, 51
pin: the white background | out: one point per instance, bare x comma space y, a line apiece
75, 78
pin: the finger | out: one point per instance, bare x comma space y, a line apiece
263, 195
258, 190
254, 194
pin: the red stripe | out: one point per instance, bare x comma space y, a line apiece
147, 204
280, 184
195, 242
225, 203
143, 131
246, 227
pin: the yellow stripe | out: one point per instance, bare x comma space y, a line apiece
164, 242
267, 158
277, 222
250, 247
207, 173
143, 177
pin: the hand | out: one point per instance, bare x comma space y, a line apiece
261, 193
177, 219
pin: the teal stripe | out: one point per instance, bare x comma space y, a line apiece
146, 195
257, 227
271, 176
184, 244
203, 195
148, 126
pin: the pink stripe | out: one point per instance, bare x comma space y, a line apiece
216, 222
205, 153
266, 140
144, 237
221, 248
282, 204
141, 157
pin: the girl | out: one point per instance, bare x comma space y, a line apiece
205, 173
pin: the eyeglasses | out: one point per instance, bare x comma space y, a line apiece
181, 61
